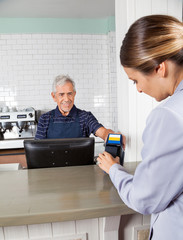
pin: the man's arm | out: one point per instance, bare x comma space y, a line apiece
99, 130
103, 132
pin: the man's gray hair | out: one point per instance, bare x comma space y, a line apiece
60, 80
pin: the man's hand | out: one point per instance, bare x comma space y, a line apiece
103, 132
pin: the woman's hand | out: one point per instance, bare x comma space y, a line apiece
105, 161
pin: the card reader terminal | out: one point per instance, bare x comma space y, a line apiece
114, 146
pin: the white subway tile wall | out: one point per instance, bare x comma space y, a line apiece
29, 63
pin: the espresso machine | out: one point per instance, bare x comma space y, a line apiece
15, 126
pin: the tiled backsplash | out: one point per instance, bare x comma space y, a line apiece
29, 63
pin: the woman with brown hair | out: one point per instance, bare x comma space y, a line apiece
152, 57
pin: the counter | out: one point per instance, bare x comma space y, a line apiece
58, 194
39, 196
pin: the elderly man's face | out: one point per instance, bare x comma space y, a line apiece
64, 97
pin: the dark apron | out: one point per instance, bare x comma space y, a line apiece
65, 129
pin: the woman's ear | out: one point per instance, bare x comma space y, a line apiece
161, 69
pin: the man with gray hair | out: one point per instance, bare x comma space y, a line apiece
67, 121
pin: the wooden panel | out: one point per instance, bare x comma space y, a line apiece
101, 222
89, 226
175, 8
111, 228
14, 159
143, 103
122, 79
82, 236
131, 12
144, 107
159, 7
37, 232
1, 233
62, 228
146, 219
143, 8
132, 122
126, 225
12, 151
132, 93
16, 233
42, 230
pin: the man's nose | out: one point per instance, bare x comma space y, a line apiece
66, 97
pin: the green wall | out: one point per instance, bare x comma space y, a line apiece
57, 25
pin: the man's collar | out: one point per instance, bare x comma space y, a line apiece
72, 113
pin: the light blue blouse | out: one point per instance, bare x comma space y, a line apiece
157, 185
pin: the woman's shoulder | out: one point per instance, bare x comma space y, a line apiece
169, 112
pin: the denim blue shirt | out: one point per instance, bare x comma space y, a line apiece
157, 185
